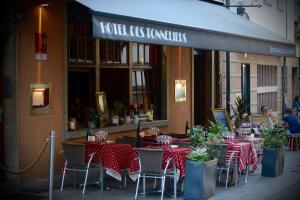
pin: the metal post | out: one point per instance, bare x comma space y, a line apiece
228, 81
283, 85
228, 71
52, 136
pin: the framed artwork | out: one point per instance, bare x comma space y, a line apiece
102, 108
40, 98
180, 90
221, 117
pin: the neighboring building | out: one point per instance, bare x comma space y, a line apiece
56, 58
266, 74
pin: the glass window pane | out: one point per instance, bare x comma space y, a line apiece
143, 79
110, 52
117, 52
147, 54
134, 53
124, 52
134, 99
140, 99
133, 81
141, 53
72, 49
139, 80
90, 50
102, 51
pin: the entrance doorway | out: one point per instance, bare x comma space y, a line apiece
202, 86
295, 82
245, 80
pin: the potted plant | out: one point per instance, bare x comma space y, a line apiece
200, 166
240, 112
273, 152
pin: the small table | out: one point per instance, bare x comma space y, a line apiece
113, 157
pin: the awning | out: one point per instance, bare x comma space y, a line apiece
187, 23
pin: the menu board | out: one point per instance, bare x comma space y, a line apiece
221, 117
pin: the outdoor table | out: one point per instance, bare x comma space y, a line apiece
113, 157
246, 155
245, 152
257, 142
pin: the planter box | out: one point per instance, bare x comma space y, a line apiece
272, 162
200, 180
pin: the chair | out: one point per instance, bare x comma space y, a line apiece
261, 121
74, 155
220, 153
150, 161
293, 140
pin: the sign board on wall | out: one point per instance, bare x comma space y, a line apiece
40, 46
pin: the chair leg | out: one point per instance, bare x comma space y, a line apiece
84, 185
163, 180
101, 179
63, 179
74, 178
175, 186
154, 184
137, 187
227, 175
236, 175
125, 179
144, 186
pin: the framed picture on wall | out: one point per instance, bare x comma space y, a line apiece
102, 108
180, 90
40, 98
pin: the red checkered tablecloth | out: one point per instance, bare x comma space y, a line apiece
245, 152
177, 154
114, 157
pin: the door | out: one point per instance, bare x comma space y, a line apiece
245, 75
202, 86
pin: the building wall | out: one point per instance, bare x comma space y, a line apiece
273, 19
179, 67
235, 81
34, 129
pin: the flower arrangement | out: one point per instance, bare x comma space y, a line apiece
204, 141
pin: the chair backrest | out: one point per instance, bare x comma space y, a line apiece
74, 153
151, 160
261, 119
220, 152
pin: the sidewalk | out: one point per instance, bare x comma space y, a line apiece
284, 187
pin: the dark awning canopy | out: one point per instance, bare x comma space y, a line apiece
187, 23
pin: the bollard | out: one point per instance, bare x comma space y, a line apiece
52, 136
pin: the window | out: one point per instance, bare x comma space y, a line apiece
266, 75
81, 45
115, 78
281, 5
113, 52
142, 87
269, 99
140, 54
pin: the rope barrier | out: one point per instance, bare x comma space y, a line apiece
31, 165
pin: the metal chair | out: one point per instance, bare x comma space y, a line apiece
74, 155
225, 164
150, 161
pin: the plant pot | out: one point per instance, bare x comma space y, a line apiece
272, 162
200, 180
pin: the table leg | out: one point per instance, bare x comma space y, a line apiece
247, 171
175, 181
